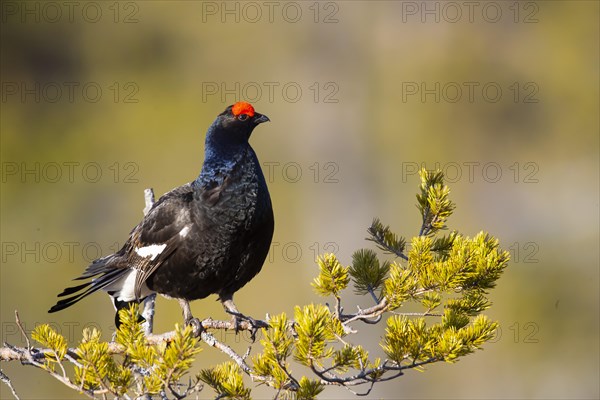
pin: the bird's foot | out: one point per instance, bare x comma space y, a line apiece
189, 319
239, 318
196, 326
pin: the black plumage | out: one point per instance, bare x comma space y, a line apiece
210, 236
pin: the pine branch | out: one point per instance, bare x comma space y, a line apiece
386, 240
448, 276
32, 355
36, 356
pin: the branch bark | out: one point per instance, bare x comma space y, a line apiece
8, 383
28, 354
150, 301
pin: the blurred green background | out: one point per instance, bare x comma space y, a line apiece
101, 100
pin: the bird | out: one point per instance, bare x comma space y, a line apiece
209, 236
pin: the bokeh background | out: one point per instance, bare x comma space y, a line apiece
101, 100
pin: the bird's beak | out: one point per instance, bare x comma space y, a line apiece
260, 118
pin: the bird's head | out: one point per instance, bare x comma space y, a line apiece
236, 123
227, 140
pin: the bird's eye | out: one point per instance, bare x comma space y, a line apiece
243, 117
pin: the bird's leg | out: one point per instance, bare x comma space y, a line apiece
188, 318
238, 317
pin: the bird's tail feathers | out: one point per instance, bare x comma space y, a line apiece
102, 272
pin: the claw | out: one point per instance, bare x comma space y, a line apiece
239, 317
196, 326
189, 319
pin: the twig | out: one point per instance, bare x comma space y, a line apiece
150, 301
373, 295
382, 245
239, 360
366, 314
212, 341
20, 325
148, 314
425, 226
8, 383
361, 378
294, 384
149, 199
417, 314
338, 307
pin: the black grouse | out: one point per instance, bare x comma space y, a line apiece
210, 236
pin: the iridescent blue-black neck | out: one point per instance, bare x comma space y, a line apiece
223, 151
